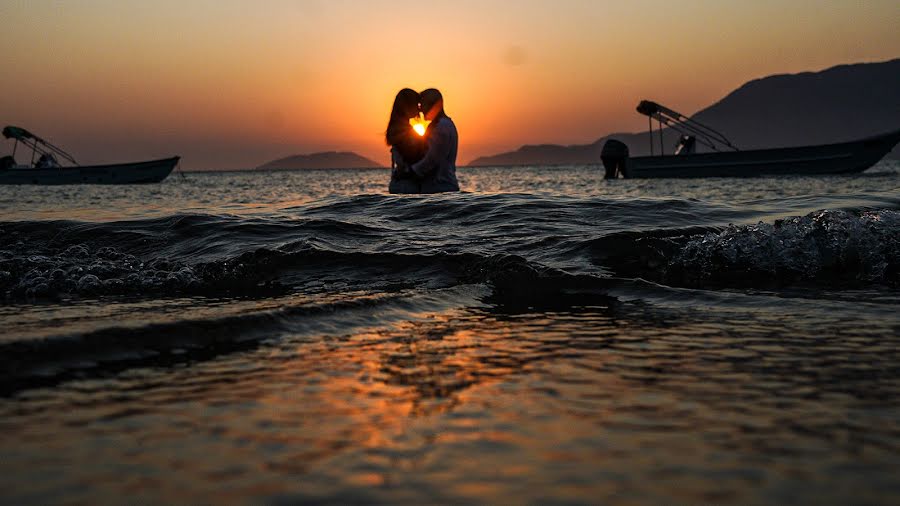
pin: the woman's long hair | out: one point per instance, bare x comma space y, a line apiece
406, 106
399, 133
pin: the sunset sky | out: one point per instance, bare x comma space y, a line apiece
233, 84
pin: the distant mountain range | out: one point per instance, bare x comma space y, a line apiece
324, 160
842, 103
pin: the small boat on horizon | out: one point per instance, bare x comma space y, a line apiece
46, 170
726, 160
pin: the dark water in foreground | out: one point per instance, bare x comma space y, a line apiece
546, 337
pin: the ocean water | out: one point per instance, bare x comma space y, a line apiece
543, 337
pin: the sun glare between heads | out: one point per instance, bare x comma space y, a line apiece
419, 124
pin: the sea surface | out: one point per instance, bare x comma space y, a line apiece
544, 336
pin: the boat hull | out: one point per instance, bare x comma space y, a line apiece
152, 171
841, 158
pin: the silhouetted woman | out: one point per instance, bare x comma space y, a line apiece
407, 147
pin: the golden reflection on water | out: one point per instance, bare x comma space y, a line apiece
465, 405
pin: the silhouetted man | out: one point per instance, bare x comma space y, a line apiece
438, 169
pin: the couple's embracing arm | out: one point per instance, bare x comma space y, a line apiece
396, 160
400, 168
439, 144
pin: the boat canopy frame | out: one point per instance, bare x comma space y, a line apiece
37, 144
703, 134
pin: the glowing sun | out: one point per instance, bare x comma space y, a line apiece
419, 124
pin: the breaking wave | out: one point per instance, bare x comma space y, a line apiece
232, 256
824, 248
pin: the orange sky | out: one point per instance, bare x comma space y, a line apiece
231, 84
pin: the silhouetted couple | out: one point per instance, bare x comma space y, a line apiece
423, 161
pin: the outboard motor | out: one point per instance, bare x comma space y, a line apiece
7, 162
615, 158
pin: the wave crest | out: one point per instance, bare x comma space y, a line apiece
86, 271
825, 246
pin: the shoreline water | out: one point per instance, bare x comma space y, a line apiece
553, 337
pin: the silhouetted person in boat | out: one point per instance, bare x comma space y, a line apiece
437, 170
407, 147
46, 161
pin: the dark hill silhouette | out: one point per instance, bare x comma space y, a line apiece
324, 160
841, 103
